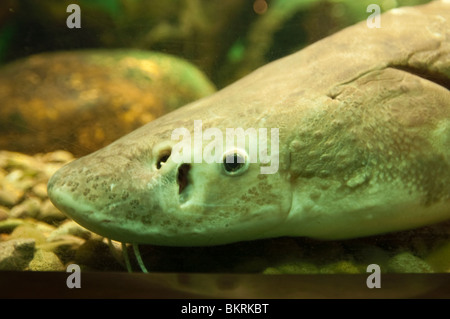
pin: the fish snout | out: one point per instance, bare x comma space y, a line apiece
117, 196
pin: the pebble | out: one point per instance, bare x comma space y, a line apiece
23, 163
340, 267
28, 208
69, 227
96, 253
15, 254
4, 213
62, 242
439, 258
366, 254
45, 261
59, 156
48, 212
65, 247
406, 262
293, 268
40, 190
29, 220
9, 194
43, 227
8, 225
28, 231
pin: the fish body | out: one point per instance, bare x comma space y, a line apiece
357, 127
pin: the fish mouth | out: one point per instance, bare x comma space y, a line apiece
84, 215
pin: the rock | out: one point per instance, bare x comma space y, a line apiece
84, 100
4, 213
65, 241
28, 231
45, 228
28, 208
69, 228
15, 175
96, 255
40, 190
50, 169
8, 225
439, 258
20, 164
45, 261
65, 247
49, 213
15, 254
9, 194
272, 271
251, 265
302, 267
405, 262
58, 156
366, 254
340, 267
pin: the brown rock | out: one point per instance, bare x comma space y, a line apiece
81, 101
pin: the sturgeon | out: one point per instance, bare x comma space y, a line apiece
362, 147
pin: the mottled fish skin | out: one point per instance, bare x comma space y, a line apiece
364, 147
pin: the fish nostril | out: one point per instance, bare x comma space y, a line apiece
182, 177
163, 157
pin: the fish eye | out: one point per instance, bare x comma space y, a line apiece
235, 162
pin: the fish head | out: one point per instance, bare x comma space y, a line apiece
155, 186
363, 148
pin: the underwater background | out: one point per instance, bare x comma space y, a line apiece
67, 92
